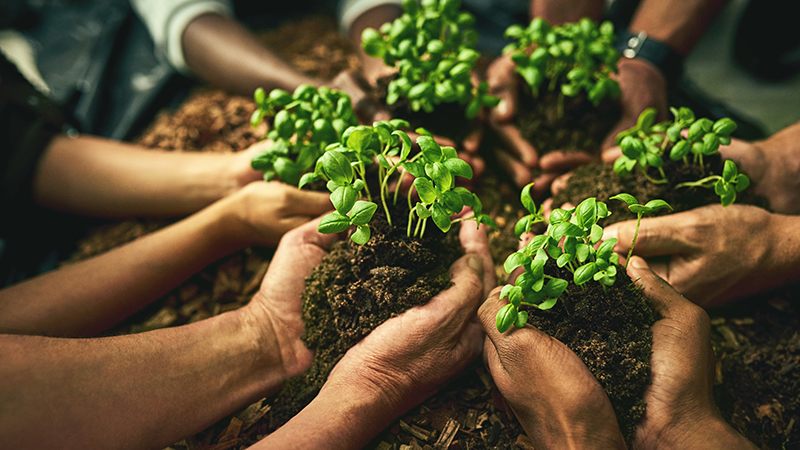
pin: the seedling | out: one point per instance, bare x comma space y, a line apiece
344, 167
573, 58
651, 207
569, 241
644, 146
726, 186
432, 46
303, 124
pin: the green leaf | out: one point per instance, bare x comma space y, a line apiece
547, 304
514, 260
422, 211
646, 119
563, 260
308, 178
343, 199
729, 170
259, 96
333, 223
459, 168
606, 248
679, 150
582, 252
522, 319
596, 233
586, 212
522, 225
452, 201
440, 175
362, 212
427, 193
724, 126
336, 167
287, 170
430, 149
506, 317
527, 199
405, 142
584, 273
741, 182
441, 217
283, 124
555, 287
361, 235
559, 215
657, 205
627, 198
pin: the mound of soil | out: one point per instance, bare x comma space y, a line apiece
599, 180
356, 288
551, 121
609, 329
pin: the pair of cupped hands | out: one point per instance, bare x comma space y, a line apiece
556, 399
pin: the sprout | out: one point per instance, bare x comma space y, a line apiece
651, 207
432, 47
726, 186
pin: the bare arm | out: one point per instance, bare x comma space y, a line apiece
104, 178
562, 11
86, 298
680, 24
224, 53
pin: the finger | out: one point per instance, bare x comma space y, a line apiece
560, 183
561, 160
461, 300
658, 236
541, 185
473, 140
503, 84
519, 173
547, 206
610, 155
665, 299
518, 145
476, 162
309, 203
475, 242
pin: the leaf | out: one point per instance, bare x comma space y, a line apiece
287, 170
606, 248
584, 273
522, 225
506, 317
514, 260
555, 287
441, 217
596, 233
333, 223
559, 215
646, 119
336, 167
308, 178
627, 198
452, 201
422, 211
430, 149
425, 189
729, 170
405, 143
582, 252
657, 205
547, 304
459, 168
416, 168
440, 175
679, 150
283, 124
563, 260
724, 126
522, 319
741, 182
527, 199
586, 212
343, 199
364, 140
361, 235
362, 212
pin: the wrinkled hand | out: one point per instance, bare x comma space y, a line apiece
711, 254
556, 399
262, 212
277, 307
680, 404
410, 356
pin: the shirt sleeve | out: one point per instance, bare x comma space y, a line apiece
167, 20
350, 10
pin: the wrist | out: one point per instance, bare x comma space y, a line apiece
568, 431
707, 432
643, 71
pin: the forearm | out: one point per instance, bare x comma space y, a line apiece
88, 297
563, 11
139, 391
224, 53
679, 24
105, 178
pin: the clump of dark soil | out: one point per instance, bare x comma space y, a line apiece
356, 288
551, 121
609, 329
599, 180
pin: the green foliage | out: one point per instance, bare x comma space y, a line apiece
344, 164
570, 241
645, 145
641, 210
302, 125
573, 57
432, 47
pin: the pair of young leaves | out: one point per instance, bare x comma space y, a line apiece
432, 46
572, 57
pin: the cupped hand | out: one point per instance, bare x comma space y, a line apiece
712, 254
680, 404
262, 211
410, 356
556, 399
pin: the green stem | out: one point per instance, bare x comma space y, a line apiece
424, 224
397, 188
416, 229
653, 180
635, 237
410, 213
703, 182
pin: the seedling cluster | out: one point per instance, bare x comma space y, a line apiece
432, 47
573, 57
302, 125
344, 166
644, 146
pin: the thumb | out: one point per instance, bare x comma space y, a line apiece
664, 298
461, 300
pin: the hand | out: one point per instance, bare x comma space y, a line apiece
680, 403
715, 254
358, 88
277, 306
261, 212
556, 399
239, 170
642, 86
409, 357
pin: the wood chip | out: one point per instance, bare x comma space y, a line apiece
447, 435
419, 433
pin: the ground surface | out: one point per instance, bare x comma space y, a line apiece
758, 343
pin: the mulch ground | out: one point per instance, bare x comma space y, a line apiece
758, 344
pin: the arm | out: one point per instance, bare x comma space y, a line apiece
88, 297
105, 178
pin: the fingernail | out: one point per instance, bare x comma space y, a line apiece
638, 262
475, 263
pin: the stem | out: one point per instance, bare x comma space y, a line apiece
416, 229
635, 237
410, 219
383, 188
653, 180
424, 224
703, 182
397, 188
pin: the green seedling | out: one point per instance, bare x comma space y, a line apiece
726, 186
432, 46
570, 241
651, 207
344, 166
573, 58
302, 125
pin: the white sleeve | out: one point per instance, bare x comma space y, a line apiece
350, 10
167, 20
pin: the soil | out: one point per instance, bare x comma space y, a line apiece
356, 288
609, 329
599, 180
757, 345
551, 121
447, 120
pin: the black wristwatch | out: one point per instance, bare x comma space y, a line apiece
659, 54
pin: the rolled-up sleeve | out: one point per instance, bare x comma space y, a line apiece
167, 20
350, 10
